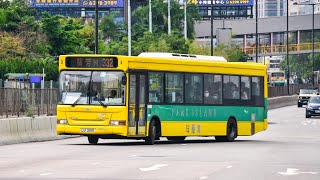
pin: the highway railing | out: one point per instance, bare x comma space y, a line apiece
283, 90
281, 48
15, 102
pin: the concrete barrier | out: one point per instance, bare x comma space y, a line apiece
43, 128
278, 102
27, 129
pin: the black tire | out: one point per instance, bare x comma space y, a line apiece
232, 132
308, 116
176, 138
93, 139
299, 105
152, 134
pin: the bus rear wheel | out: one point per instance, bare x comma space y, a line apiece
232, 132
93, 139
152, 134
176, 138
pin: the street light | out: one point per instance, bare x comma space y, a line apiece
97, 28
185, 19
211, 25
129, 28
256, 30
312, 37
288, 69
150, 17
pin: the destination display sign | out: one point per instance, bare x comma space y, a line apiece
92, 62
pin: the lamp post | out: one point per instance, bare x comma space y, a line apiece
169, 17
257, 31
150, 17
211, 25
288, 69
185, 19
312, 37
97, 28
129, 28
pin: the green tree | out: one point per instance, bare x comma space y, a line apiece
110, 28
231, 52
64, 34
160, 19
10, 46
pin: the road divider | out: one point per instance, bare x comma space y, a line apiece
27, 129
43, 128
278, 102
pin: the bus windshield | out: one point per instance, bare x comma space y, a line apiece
92, 87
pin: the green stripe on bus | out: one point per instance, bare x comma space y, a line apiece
205, 113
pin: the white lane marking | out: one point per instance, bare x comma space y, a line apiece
22, 171
134, 155
204, 177
229, 167
95, 163
183, 144
293, 171
44, 174
154, 167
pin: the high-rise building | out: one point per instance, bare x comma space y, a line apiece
304, 8
270, 8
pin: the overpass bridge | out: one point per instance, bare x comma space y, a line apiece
272, 34
279, 50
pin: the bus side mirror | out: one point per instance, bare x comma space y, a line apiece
124, 80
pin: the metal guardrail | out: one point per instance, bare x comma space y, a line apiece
281, 48
283, 90
36, 102
16, 102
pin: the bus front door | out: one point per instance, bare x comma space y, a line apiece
137, 105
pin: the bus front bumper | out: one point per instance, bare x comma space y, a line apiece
91, 130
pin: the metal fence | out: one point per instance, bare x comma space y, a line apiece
283, 90
16, 102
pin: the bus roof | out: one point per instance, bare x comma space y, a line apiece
182, 56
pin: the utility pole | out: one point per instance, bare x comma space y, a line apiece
185, 19
129, 28
97, 28
150, 17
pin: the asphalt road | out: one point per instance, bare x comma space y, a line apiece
289, 149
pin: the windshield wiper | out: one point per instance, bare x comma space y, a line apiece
76, 101
104, 105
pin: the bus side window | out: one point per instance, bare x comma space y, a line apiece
155, 87
257, 91
174, 85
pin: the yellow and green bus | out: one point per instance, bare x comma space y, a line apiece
178, 96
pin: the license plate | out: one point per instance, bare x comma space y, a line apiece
317, 111
87, 130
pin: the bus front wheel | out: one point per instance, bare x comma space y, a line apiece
93, 139
232, 132
152, 133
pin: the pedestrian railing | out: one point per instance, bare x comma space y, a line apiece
283, 90
16, 102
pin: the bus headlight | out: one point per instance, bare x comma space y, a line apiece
62, 121
117, 123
